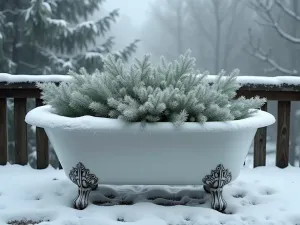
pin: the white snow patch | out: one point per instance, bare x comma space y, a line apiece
68, 64
9, 24
45, 117
47, 6
88, 24
28, 12
19, 45
58, 22
89, 55
265, 195
4, 77
276, 81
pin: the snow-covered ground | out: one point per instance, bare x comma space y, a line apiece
261, 196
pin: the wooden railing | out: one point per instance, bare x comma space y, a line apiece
20, 92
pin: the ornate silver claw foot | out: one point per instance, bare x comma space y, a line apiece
85, 181
206, 189
95, 187
214, 184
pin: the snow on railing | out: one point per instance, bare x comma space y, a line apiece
5, 77
244, 80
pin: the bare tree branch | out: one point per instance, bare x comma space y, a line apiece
264, 10
258, 7
28, 65
288, 11
260, 54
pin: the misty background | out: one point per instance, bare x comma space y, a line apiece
260, 37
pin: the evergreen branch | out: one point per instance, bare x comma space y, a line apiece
80, 9
13, 12
104, 24
128, 51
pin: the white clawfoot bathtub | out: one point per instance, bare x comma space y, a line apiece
96, 150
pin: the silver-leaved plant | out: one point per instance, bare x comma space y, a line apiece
169, 92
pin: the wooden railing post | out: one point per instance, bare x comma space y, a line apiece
42, 147
260, 142
3, 131
283, 134
20, 127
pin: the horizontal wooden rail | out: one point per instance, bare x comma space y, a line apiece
20, 92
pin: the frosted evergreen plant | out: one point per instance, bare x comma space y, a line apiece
168, 92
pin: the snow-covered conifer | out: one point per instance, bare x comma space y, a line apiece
53, 36
168, 92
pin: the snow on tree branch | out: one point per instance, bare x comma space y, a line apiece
87, 30
287, 10
53, 36
264, 10
79, 8
256, 51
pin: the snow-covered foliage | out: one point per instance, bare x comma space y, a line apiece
53, 36
168, 92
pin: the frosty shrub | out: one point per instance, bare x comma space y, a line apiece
168, 92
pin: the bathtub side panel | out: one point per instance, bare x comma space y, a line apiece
172, 158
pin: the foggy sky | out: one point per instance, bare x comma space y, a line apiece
135, 9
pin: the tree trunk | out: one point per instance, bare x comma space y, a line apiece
218, 37
179, 28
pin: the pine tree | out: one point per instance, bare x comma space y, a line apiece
51, 37
48, 36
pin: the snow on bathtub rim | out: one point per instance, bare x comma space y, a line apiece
243, 80
45, 117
